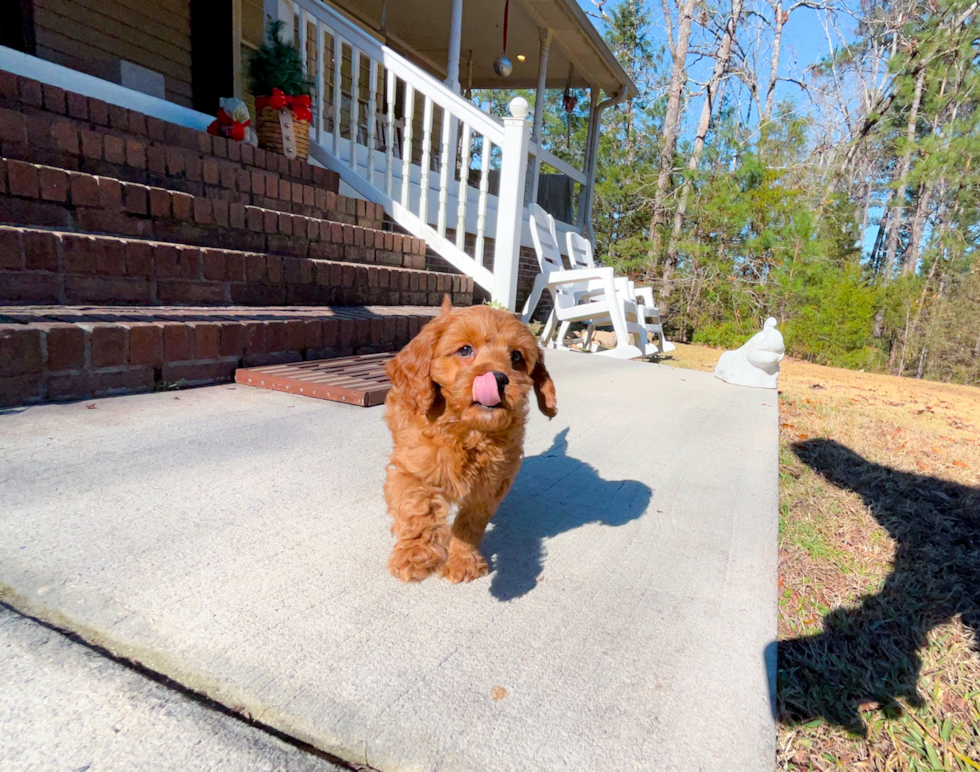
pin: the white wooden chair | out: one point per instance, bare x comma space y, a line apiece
648, 315
580, 295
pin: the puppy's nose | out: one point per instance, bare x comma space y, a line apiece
502, 380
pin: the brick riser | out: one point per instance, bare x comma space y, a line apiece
34, 194
43, 124
182, 170
40, 266
54, 354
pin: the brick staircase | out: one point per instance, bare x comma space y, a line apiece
137, 254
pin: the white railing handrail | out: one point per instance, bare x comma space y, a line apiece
444, 97
436, 126
546, 156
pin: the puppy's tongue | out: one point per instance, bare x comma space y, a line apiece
485, 390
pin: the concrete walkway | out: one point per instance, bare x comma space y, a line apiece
64, 706
235, 540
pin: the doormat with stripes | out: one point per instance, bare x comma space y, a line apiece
358, 380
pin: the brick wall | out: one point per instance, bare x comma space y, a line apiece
49, 196
39, 266
80, 354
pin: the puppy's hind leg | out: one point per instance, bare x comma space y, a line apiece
419, 513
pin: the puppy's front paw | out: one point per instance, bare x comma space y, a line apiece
414, 559
464, 565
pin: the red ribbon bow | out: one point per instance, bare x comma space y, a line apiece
226, 126
300, 105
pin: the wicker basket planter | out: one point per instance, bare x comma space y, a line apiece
269, 130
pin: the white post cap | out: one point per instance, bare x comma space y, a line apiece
519, 107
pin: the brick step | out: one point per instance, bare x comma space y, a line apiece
38, 195
61, 353
174, 168
58, 142
46, 125
45, 266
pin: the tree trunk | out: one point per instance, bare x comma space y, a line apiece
715, 85
918, 228
912, 330
922, 204
866, 192
895, 222
922, 363
870, 121
678, 82
781, 18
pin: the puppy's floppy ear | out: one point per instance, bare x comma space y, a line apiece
410, 370
544, 387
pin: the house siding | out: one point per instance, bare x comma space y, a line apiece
155, 34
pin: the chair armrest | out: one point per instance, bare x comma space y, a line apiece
645, 294
555, 278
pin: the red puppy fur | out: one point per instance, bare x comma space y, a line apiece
456, 411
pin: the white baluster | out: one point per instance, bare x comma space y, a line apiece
447, 125
321, 63
464, 187
481, 207
390, 130
407, 146
426, 161
338, 74
304, 52
355, 99
372, 118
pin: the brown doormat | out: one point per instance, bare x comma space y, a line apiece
359, 380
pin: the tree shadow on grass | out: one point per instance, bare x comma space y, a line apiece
552, 494
871, 652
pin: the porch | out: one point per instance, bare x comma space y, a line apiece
390, 116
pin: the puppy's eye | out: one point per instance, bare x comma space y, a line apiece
517, 357
465, 351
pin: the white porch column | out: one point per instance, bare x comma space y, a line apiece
591, 152
455, 36
279, 9
543, 51
510, 205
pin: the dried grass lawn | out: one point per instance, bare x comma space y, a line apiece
879, 569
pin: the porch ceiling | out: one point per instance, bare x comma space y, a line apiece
422, 29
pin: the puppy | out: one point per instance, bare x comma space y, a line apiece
456, 411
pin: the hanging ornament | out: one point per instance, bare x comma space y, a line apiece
502, 65
569, 100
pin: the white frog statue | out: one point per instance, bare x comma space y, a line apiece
757, 362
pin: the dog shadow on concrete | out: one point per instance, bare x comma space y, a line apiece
871, 652
553, 493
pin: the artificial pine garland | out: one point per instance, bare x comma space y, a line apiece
278, 64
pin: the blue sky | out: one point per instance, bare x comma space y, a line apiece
804, 43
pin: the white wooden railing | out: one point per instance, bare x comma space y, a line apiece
403, 139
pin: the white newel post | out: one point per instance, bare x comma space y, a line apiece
510, 204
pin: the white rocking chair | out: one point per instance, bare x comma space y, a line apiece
580, 295
648, 315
